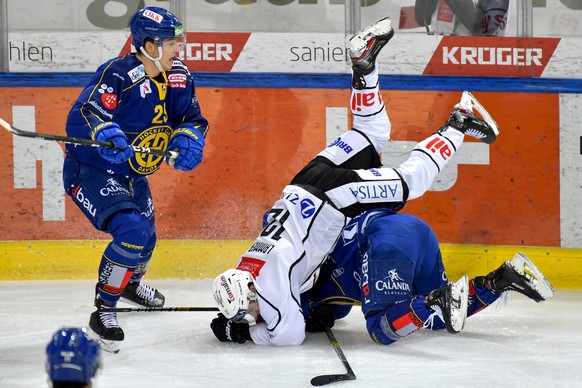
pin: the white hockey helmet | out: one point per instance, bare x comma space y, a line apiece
232, 294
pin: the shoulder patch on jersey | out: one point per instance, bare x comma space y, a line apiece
251, 265
136, 73
178, 63
109, 100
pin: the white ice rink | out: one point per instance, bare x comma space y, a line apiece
523, 345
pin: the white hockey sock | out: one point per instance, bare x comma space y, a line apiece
427, 159
369, 112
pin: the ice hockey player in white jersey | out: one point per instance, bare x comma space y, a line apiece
259, 300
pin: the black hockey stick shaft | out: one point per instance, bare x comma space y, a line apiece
328, 379
83, 141
155, 309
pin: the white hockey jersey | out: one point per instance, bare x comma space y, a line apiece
284, 260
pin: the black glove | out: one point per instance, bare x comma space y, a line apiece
226, 330
322, 316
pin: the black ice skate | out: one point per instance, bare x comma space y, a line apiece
450, 303
143, 295
463, 119
104, 324
365, 46
520, 275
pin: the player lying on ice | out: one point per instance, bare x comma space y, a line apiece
260, 299
391, 265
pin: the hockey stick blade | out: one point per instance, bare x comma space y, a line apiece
318, 381
469, 101
82, 141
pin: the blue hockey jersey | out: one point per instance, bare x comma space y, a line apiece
381, 258
146, 109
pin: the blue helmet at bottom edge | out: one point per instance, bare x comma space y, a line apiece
72, 356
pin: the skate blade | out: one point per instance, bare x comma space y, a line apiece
469, 102
460, 291
522, 264
105, 345
109, 346
358, 41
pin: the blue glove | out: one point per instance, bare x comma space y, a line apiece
110, 131
189, 143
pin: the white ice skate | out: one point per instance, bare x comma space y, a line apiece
450, 303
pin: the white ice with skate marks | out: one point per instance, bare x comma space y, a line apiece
526, 344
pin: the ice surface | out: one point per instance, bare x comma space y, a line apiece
523, 345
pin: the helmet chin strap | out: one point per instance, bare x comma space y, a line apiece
155, 60
248, 318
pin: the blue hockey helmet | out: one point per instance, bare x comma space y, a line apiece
154, 23
72, 356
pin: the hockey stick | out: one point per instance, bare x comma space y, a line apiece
318, 381
172, 155
156, 309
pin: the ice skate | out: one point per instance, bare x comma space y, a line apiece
450, 303
365, 46
520, 275
143, 295
104, 325
464, 119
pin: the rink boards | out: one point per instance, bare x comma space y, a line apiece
204, 259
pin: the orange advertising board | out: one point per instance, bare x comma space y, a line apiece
259, 138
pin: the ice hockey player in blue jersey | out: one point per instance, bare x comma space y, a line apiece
391, 265
73, 358
144, 99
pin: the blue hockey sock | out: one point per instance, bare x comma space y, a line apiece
131, 231
144, 260
480, 295
399, 320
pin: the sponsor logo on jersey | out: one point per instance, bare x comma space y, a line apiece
377, 192
364, 284
261, 247
491, 56
145, 88
392, 282
113, 187
307, 208
149, 212
119, 76
439, 147
251, 265
361, 99
109, 100
136, 73
83, 201
103, 88
100, 109
375, 172
156, 138
177, 80
342, 145
290, 196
